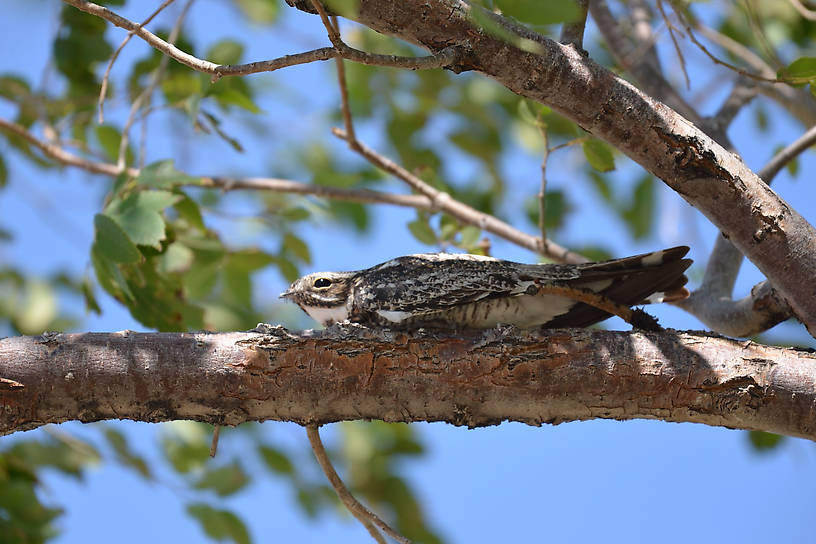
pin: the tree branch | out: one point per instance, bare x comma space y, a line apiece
350, 373
366, 517
445, 57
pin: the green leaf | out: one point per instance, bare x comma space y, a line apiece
295, 214
539, 12
225, 52
599, 155
91, 303
187, 449
288, 269
124, 454
470, 236
111, 241
189, 211
423, 232
38, 310
3, 172
109, 276
164, 175
224, 480
260, 11
176, 259
764, 442
139, 215
219, 524
639, 216
237, 98
109, 140
601, 186
345, 8
799, 71
297, 246
276, 460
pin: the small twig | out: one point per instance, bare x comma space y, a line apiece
368, 518
62, 156
214, 443
790, 152
677, 49
145, 95
542, 192
714, 57
104, 89
740, 96
444, 202
333, 30
808, 14
573, 32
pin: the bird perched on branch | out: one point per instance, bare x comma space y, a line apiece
460, 291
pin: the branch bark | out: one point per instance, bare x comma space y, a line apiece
759, 223
349, 372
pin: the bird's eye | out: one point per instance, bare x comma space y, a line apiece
322, 283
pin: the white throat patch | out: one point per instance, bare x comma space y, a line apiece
327, 316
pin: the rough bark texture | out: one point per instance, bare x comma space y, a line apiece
349, 372
765, 228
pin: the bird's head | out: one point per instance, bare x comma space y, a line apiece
322, 295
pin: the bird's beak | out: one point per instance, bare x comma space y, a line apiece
286, 294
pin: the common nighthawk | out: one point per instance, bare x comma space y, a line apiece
460, 291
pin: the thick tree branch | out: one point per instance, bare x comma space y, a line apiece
349, 373
762, 225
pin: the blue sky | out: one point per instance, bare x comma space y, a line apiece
637, 481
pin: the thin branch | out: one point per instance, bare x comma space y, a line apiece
791, 151
648, 76
214, 443
714, 58
104, 89
677, 49
446, 203
542, 192
573, 32
147, 92
742, 93
368, 518
641, 17
445, 57
808, 14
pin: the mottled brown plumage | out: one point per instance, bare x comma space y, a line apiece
459, 291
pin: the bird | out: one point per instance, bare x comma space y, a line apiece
464, 291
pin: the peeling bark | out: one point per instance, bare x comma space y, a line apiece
777, 239
350, 372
